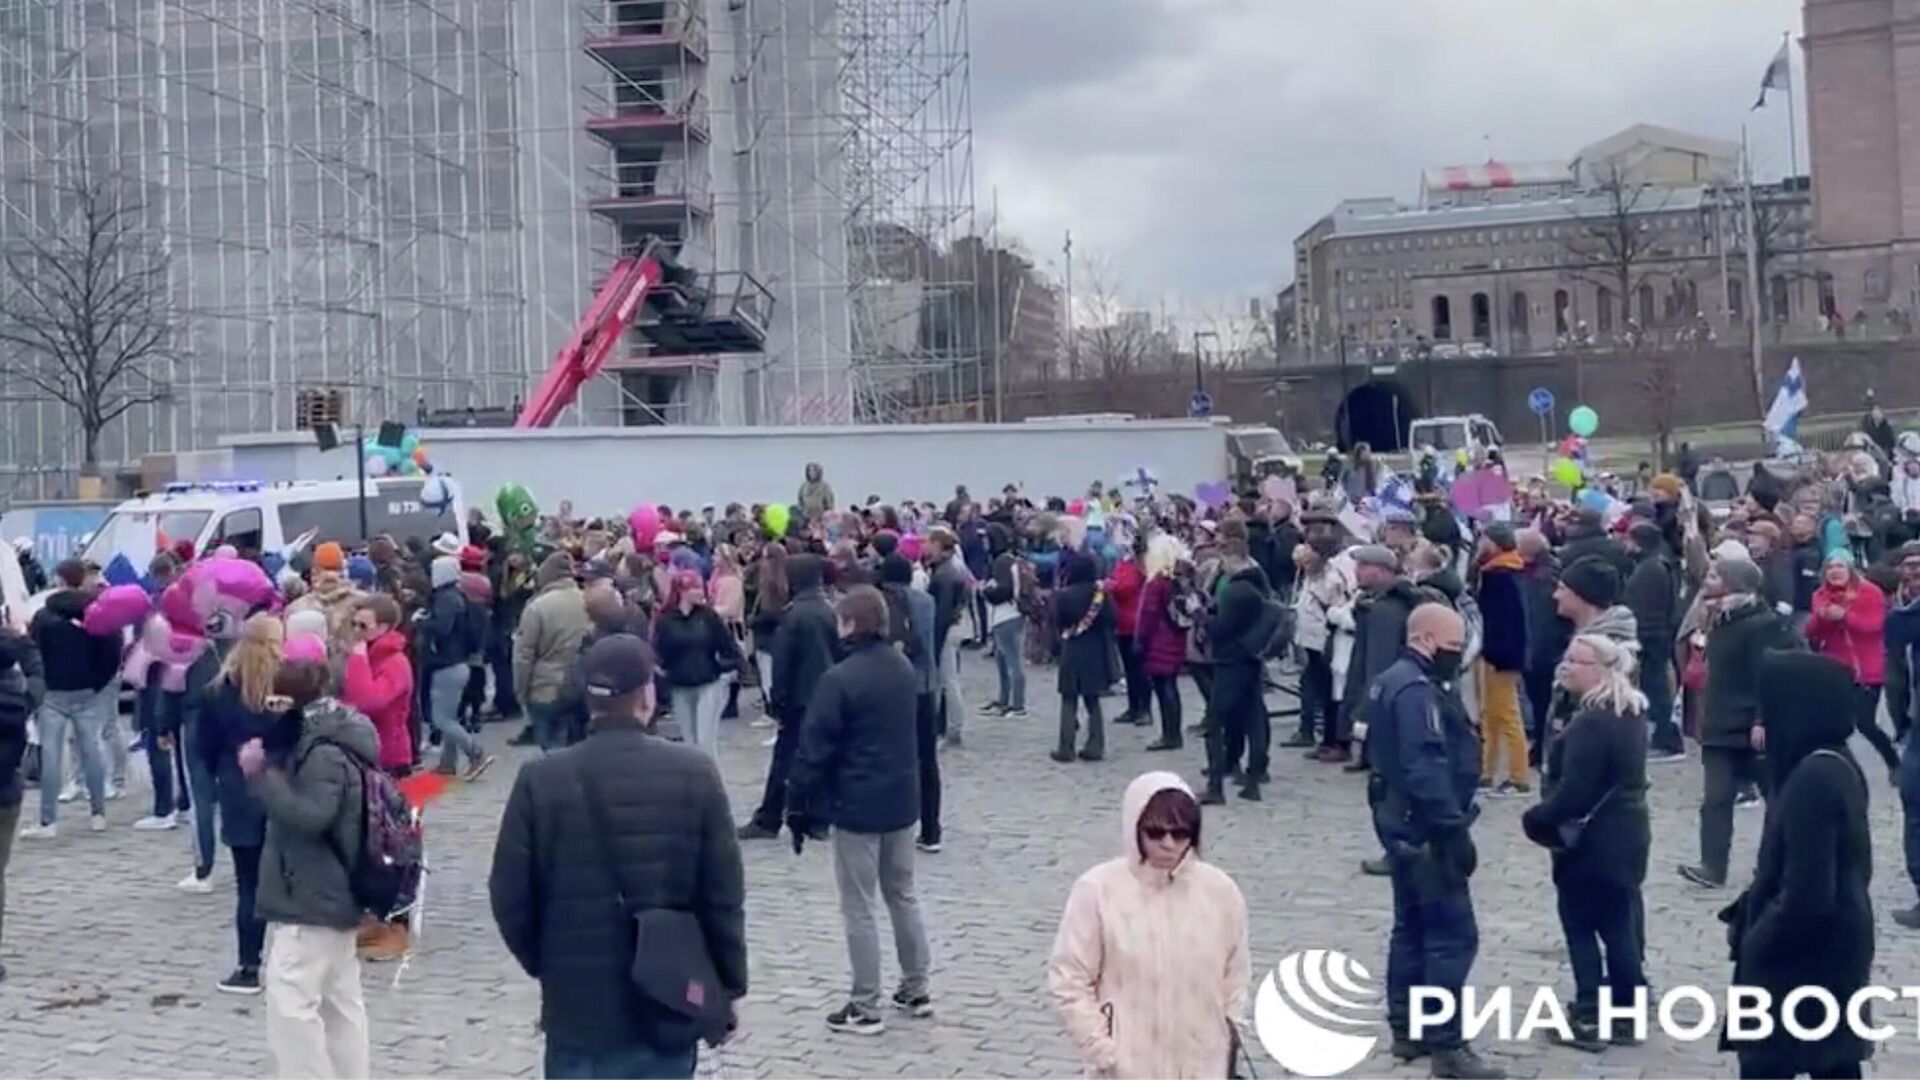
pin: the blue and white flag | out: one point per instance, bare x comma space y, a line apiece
1783, 418
1779, 75
1395, 493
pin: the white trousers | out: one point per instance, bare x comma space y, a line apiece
316, 1016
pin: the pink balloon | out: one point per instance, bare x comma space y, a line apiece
159, 643
1077, 507
217, 595
910, 547
115, 609
645, 523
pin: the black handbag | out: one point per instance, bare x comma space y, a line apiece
671, 966
1572, 831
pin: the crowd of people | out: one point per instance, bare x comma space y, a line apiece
1552, 648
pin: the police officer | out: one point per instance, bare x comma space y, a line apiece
1426, 766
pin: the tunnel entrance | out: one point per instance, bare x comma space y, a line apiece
1376, 413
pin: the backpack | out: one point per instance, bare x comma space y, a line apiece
385, 879
1271, 636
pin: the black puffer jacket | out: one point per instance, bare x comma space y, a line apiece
806, 644
555, 900
1735, 649
695, 648
73, 658
1380, 636
1598, 766
858, 766
1653, 594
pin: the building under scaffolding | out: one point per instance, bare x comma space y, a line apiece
393, 205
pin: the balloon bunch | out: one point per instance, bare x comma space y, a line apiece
407, 459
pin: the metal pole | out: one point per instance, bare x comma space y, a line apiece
1341, 410
1753, 275
1073, 341
360, 474
1793, 122
1000, 338
1199, 380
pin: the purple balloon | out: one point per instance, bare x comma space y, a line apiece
1213, 495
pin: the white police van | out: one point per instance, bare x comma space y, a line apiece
256, 518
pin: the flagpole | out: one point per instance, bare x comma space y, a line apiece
1793, 122
1753, 271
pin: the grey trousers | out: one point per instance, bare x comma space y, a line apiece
1726, 769
869, 863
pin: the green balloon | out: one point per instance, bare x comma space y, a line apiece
1566, 471
1584, 421
776, 517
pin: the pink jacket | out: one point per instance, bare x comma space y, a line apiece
1859, 640
1149, 968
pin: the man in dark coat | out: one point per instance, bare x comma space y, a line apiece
1084, 613
1547, 634
1380, 633
658, 811
1731, 739
1237, 709
81, 670
858, 771
1653, 595
1806, 919
1587, 538
804, 648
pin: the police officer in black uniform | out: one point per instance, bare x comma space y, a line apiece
1426, 766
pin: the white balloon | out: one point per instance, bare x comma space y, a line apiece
376, 465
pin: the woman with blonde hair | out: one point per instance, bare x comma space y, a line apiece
1594, 821
233, 713
1160, 639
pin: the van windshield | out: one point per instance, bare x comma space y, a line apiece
1440, 436
138, 534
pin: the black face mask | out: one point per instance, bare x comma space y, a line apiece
1445, 665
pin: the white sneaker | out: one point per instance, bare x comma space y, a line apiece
39, 832
116, 791
769, 740
154, 824
194, 883
70, 793
97, 823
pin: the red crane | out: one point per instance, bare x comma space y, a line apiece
606, 321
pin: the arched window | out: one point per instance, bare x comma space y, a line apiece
1442, 319
1604, 301
1562, 310
1780, 298
1737, 298
1828, 305
1646, 306
1482, 317
1518, 320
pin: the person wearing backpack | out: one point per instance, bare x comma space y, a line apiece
310, 775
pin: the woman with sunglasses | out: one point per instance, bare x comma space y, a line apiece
1149, 968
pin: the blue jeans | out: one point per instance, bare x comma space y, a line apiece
697, 710
82, 716
447, 685
547, 730
1910, 806
637, 1060
1006, 659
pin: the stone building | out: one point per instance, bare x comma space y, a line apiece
1638, 235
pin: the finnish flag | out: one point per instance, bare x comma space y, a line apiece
1779, 75
1783, 418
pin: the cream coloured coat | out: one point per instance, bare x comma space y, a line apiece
1150, 967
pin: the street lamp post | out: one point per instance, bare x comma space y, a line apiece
1199, 373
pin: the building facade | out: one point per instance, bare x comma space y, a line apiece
1640, 236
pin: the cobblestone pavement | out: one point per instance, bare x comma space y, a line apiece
112, 970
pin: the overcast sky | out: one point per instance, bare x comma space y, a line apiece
1188, 142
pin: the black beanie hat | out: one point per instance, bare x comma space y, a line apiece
1594, 581
895, 569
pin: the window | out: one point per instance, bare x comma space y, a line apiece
1645, 302
393, 508
1828, 306
244, 531
1518, 318
1737, 298
1604, 300
1442, 319
1779, 298
314, 407
1875, 284
1562, 310
1482, 309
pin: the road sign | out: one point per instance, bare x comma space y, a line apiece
1540, 401
1200, 405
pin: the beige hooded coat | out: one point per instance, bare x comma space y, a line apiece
1150, 968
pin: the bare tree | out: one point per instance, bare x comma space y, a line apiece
1660, 383
85, 318
1118, 339
1610, 249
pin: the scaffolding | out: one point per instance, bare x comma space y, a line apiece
404, 205
332, 183
852, 187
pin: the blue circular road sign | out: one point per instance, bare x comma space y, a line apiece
1200, 405
1540, 401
